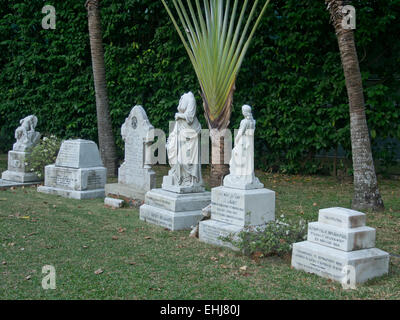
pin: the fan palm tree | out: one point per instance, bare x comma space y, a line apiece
106, 136
216, 37
366, 192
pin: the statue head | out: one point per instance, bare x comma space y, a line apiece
246, 111
186, 102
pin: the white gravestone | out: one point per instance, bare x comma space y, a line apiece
178, 204
78, 172
339, 241
27, 138
135, 177
242, 201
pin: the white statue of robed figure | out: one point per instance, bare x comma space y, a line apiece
241, 165
183, 148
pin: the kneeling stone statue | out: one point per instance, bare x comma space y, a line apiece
27, 138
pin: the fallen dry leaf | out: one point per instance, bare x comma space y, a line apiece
244, 268
98, 271
214, 259
114, 237
147, 237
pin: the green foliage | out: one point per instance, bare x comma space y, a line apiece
291, 75
5, 140
276, 238
43, 154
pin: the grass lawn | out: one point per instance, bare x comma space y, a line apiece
142, 261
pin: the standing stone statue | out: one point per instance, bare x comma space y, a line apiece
183, 149
135, 176
242, 202
241, 165
178, 204
27, 138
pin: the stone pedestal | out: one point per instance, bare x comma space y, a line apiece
172, 210
234, 209
135, 177
17, 170
27, 138
340, 240
78, 172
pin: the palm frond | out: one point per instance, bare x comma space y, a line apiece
216, 41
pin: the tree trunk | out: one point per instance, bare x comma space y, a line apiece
366, 192
218, 131
105, 133
218, 167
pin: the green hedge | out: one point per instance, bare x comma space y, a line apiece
292, 74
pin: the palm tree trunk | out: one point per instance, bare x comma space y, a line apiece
105, 133
218, 167
366, 192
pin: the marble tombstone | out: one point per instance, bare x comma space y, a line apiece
27, 138
135, 176
338, 242
242, 201
178, 204
78, 172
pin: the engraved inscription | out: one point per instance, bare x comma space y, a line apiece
69, 155
327, 237
229, 207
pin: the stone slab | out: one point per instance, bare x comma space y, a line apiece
112, 202
79, 154
329, 263
167, 185
125, 190
171, 220
177, 202
75, 179
20, 177
73, 194
9, 184
342, 217
242, 182
210, 231
345, 239
242, 207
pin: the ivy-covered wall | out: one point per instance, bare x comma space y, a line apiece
292, 74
